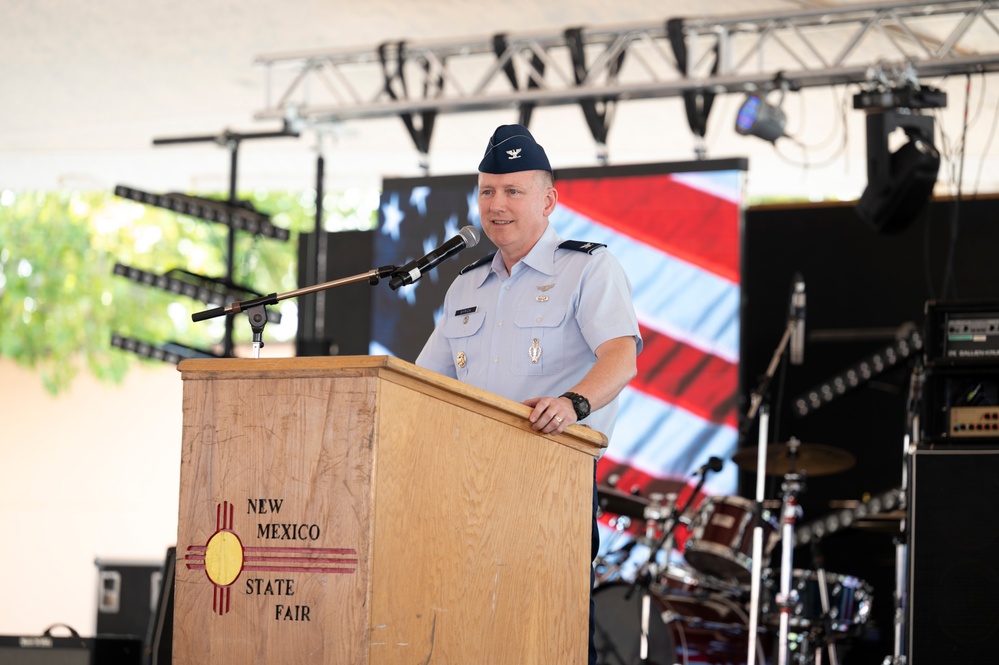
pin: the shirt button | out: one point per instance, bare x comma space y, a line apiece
538, 320
506, 288
496, 360
500, 323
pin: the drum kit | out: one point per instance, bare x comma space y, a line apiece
696, 605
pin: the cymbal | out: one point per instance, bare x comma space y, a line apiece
615, 501
812, 459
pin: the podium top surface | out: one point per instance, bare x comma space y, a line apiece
386, 367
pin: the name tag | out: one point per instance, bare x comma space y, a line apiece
467, 310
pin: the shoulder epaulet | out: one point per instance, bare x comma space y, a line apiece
481, 262
581, 246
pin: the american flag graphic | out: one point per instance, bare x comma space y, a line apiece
676, 229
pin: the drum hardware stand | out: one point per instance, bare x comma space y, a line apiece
820, 572
650, 569
621, 525
757, 406
790, 512
901, 595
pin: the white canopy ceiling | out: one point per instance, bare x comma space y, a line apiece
86, 87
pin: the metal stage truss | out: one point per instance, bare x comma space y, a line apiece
598, 67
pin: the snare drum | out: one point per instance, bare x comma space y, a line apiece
721, 538
681, 629
850, 601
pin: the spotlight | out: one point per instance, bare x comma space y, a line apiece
234, 216
759, 118
899, 183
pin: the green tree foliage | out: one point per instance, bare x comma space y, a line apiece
60, 302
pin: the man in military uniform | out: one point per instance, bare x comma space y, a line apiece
545, 322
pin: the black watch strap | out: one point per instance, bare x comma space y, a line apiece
580, 404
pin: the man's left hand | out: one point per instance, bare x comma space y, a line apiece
551, 415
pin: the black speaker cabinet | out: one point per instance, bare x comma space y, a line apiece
127, 594
335, 321
46, 650
954, 557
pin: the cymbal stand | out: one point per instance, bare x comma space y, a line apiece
790, 512
757, 406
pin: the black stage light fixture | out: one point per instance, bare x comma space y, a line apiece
909, 344
169, 352
234, 216
203, 289
757, 117
884, 502
899, 183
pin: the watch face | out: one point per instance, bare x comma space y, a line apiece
581, 405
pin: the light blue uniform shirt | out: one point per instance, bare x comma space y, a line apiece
561, 303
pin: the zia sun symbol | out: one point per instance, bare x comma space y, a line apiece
224, 558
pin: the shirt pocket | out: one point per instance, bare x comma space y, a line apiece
539, 345
463, 334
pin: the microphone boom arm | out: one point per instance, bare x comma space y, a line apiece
757, 396
372, 277
255, 308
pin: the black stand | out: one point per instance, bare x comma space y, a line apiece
231, 141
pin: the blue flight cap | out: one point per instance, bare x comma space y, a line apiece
511, 149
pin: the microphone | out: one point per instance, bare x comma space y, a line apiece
414, 270
797, 314
713, 464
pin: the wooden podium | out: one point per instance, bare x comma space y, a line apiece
363, 510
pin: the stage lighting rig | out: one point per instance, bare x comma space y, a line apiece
240, 218
203, 289
169, 352
908, 343
234, 213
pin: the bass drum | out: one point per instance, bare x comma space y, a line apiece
682, 629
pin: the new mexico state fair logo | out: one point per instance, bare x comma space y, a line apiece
224, 559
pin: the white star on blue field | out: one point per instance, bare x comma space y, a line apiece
393, 217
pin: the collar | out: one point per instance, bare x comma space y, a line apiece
540, 258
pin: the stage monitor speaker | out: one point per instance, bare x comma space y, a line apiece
954, 557
47, 650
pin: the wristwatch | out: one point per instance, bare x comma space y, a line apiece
580, 404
